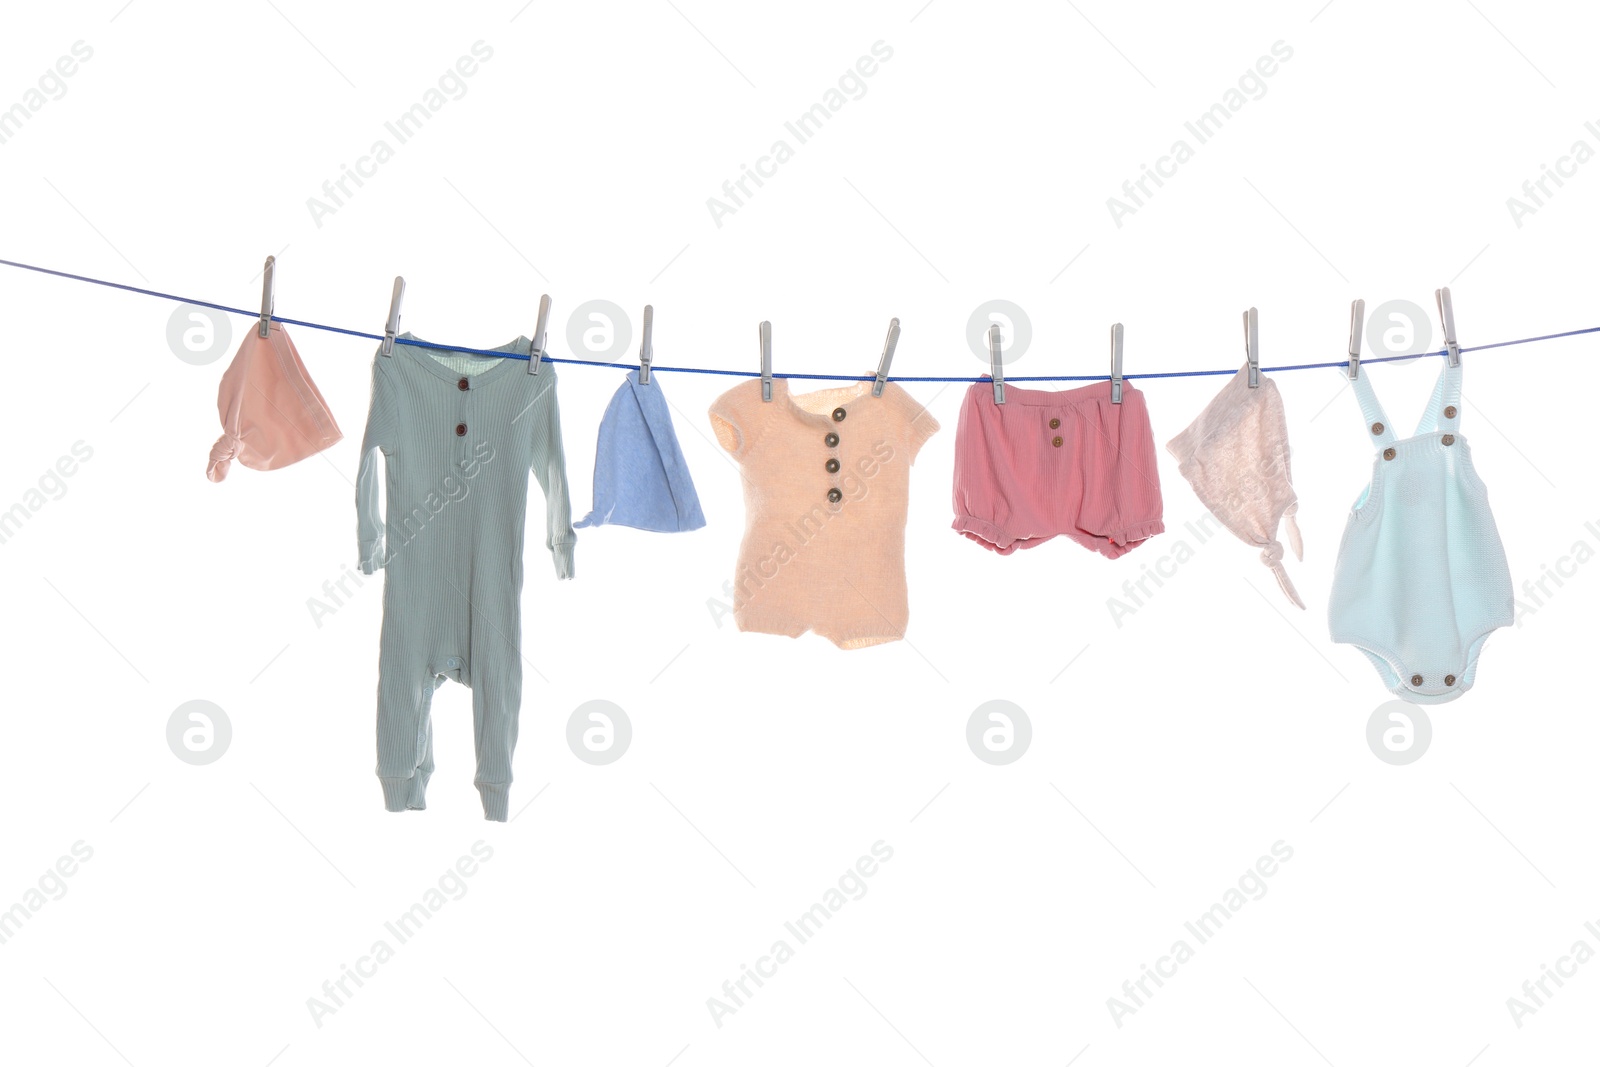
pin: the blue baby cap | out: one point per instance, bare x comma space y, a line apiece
640, 477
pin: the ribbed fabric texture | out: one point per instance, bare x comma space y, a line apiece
458, 443
1421, 579
1052, 463
827, 479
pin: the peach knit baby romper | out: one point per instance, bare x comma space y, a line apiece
826, 484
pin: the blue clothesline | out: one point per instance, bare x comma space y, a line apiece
657, 367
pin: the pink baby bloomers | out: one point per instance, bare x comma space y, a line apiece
1047, 464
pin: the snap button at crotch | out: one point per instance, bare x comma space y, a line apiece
1417, 680
450, 667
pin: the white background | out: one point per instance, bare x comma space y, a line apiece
1171, 753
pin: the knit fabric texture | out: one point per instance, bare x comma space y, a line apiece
827, 479
1236, 457
272, 413
458, 437
640, 477
1421, 580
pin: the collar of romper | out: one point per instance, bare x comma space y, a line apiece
418, 355
792, 399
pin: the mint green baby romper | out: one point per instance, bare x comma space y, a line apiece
1421, 579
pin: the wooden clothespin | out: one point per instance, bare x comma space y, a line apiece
996, 370
266, 297
1252, 347
392, 326
765, 332
536, 353
646, 352
888, 357
1116, 363
1447, 316
1358, 311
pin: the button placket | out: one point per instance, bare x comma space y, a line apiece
463, 402
831, 464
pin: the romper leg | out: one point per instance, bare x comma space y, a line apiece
405, 730
496, 702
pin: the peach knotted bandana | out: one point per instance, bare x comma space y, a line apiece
1236, 456
272, 413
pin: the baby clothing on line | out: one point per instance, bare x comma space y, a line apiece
827, 488
640, 476
1421, 580
1236, 456
459, 433
1048, 463
272, 413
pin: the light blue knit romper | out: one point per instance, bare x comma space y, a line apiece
1421, 579
458, 433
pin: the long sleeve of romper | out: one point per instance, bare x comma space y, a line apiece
550, 468
379, 437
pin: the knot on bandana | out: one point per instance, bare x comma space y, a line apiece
1272, 556
222, 454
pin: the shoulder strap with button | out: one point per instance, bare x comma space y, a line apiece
1444, 407
1378, 428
